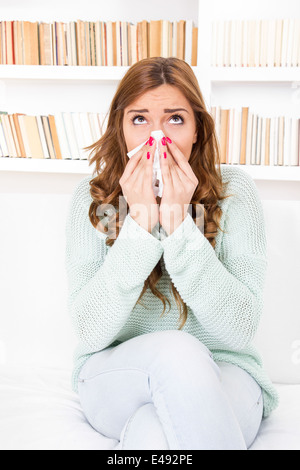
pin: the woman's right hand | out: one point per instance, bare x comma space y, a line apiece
136, 184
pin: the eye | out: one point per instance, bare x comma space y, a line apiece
139, 118
179, 119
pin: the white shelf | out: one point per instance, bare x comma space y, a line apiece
29, 165
36, 165
272, 173
254, 74
59, 72
216, 74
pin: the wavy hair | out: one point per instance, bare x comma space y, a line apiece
109, 154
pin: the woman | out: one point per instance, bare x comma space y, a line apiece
188, 378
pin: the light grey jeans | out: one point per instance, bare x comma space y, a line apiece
163, 390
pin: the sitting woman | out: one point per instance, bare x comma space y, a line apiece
188, 378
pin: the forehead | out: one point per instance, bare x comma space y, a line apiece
164, 95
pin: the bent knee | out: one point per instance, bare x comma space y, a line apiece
179, 345
143, 431
179, 358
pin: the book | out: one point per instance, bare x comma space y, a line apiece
79, 135
3, 142
246, 138
54, 135
14, 135
62, 136
98, 43
245, 113
75, 153
44, 144
181, 39
34, 143
8, 135
256, 43
155, 38
224, 135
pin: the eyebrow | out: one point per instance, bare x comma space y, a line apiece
165, 110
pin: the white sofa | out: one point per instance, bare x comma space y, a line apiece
38, 410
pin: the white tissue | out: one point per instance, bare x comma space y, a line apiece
157, 135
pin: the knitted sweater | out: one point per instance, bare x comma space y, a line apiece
222, 287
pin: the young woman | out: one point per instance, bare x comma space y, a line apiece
188, 378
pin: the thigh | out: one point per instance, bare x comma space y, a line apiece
110, 395
245, 396
115, 382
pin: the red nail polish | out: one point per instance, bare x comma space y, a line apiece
169, 140
151, 140
165, 154
148, 155
163, 141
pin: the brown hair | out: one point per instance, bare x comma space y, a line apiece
110, 156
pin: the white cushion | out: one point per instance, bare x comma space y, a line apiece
281, 431
278, 337
40, 412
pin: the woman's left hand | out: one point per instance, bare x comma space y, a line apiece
179, 184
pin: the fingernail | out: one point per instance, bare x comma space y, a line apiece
165, 154
147, 142
151, 140
148, 155
169, 140
163, 141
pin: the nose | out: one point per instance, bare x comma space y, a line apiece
157, 125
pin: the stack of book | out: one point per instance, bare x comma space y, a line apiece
98, 43
58, 136
256, 43
245, 138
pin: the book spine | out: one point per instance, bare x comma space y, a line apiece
246, 138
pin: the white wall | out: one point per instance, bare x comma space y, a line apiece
103, 10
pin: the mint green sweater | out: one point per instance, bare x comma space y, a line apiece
222, 287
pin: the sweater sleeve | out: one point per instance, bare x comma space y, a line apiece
226, 294
104, 282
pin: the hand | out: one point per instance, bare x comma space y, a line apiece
179, 182
136, 184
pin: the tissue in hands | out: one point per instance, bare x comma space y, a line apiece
157, 183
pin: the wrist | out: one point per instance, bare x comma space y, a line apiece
141, 223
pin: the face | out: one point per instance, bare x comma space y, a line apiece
164, 108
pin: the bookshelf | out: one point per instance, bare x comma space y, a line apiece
47, 89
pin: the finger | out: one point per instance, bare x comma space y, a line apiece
133, 162
178, 177
144, 170
180, 159
172, 171
164, 151
165, 165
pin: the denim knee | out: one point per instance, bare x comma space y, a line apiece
176, 342
143, 431
180, 353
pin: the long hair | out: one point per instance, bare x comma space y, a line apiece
109, 154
